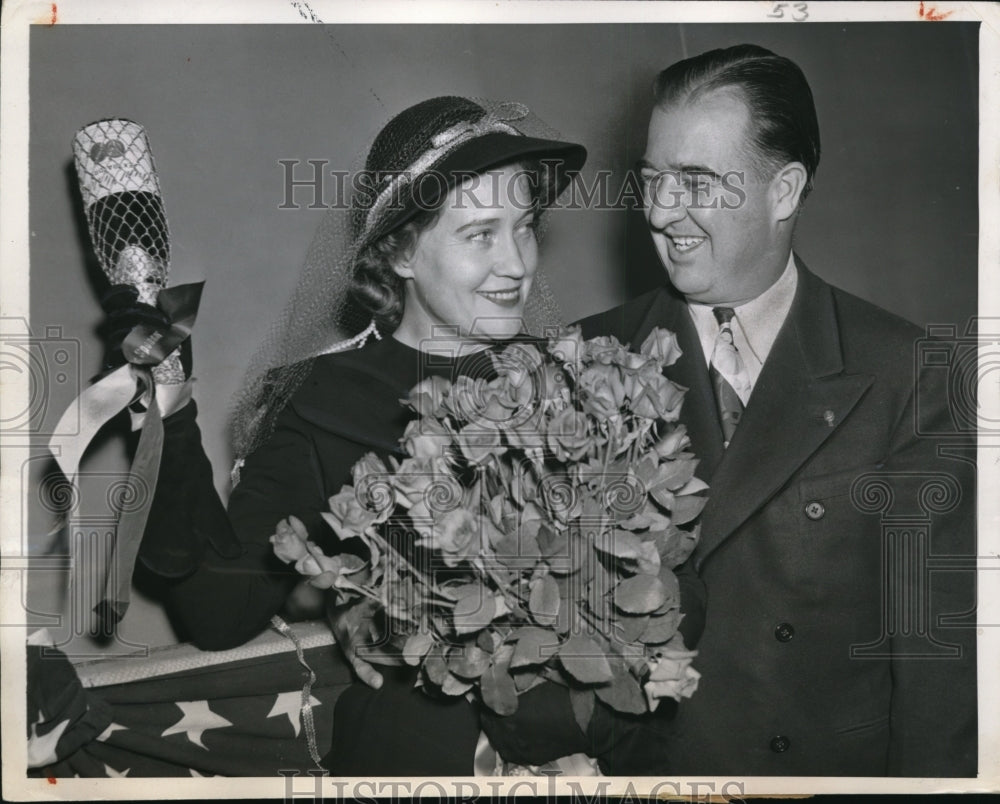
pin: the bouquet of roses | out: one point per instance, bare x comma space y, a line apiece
532, 530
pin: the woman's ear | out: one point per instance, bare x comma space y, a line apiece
402, 266
402, 255
786, 187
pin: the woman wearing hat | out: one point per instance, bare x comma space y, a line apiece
440, 240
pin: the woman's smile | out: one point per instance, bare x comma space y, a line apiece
504, 298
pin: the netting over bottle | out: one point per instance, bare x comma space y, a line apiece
125, 215
124, 210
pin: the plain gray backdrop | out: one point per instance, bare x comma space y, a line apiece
893, 218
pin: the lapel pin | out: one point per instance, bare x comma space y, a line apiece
828, 417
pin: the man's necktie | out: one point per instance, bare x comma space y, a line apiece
728, 374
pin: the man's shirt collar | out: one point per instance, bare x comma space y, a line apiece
756, 323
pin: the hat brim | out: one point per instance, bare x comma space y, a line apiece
497, 149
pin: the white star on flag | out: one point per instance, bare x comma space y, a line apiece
42, 750
109, 731
113, 774
198, 718
289, 704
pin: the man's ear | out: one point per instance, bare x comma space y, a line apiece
786, 190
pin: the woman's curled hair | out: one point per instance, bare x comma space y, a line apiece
375, 285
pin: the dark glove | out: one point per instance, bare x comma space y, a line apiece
125, 312
400, 730
632, 745
186, 512
542, 729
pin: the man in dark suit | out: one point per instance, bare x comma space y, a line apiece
832, 646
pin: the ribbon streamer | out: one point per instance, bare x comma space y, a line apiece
132, 522
148, 346
305, 708
144, 347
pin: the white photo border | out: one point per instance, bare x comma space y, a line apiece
18, 17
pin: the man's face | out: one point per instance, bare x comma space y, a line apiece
712, 219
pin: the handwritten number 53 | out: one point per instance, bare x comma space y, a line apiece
798, 11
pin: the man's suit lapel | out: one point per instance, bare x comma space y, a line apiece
698, 411
800, 399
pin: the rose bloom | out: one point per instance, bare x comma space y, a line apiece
518, 362
456, 533
308, 566
606, 350
427, 396
316, 564
369, 465
413, 476
425, 438
602, 390
467, 397
662, 345
568, 437
634, 362
347, 516
478, 442
671, 676
326, 572
516, 396
289, 540
654, 396
503, 403
673, 442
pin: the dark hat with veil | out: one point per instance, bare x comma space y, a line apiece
423, 151
416, 158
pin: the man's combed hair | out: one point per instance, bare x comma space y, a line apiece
783, 120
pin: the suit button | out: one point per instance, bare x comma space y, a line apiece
784, 632
815, 509
780, 744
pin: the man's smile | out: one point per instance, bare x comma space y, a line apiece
684, 244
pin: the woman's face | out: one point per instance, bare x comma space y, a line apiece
471, 270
